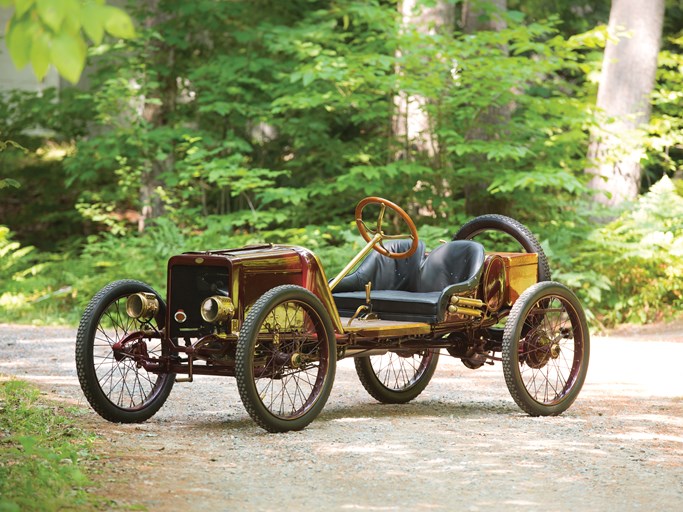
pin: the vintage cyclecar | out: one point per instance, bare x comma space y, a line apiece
268, 316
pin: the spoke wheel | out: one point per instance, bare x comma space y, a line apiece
115, 385
546, 348
397, 378
286, 359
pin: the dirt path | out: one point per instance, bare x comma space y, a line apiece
462, 445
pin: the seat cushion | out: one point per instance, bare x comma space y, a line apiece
392, 304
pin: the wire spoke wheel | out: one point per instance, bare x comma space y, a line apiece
114, 382
397, 377
286, 359
546, 349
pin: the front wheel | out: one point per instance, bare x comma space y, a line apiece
546, 347
396, 377
286, 359
116, 386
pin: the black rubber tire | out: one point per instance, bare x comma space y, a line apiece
375, 380
542, 384
248, 345
515, 229
103, 379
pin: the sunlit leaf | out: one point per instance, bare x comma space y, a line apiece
40, 54
118, 23
93, 22
68, 56
22, 6
19, 42
52, 13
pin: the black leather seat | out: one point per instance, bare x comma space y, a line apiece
386, 273
417, 288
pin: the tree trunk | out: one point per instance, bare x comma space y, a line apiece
483, 15
158, 113
411, 123
626, 82
478, 15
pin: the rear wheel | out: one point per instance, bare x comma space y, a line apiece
397, 377
115, 385
546, 348
286, 359
501, 233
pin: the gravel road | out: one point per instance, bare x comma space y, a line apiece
461, 445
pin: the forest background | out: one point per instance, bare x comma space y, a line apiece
222, 123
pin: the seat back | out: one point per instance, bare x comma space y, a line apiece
457, 262
386, 273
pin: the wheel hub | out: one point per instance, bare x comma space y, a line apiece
538, 350
475, 358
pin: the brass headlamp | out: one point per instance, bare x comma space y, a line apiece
217, 309
142, 305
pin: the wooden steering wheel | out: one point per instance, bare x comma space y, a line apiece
369, 234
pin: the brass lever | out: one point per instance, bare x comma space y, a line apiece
365, 307
360, 309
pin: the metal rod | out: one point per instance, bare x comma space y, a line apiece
466, 301
362, 254
190, 376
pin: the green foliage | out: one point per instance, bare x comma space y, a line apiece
240, 122
646, 249
575, 16
665, 141
276, 112
52, 32
41, 454
509, 118
628, 270
32, 285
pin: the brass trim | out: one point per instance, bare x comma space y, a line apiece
519, 258
466, 301
464, 311
321, 286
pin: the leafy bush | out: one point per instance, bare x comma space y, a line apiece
630, 269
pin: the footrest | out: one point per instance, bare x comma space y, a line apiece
380, 328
